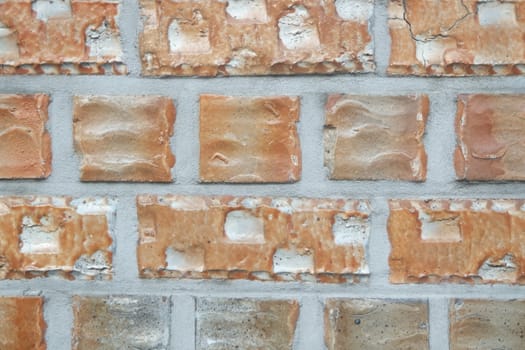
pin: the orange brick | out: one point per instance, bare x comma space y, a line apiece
490, 131
23, 326
457, 37
124, 138
55, 235
249, 139
59, 37
251, 37
252, 238
458, 240
376, 137
25, 144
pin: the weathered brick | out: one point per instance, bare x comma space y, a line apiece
457, 37
458, 240
43, 236
224, 324
376, 137
60, 37
124, 138
487, 324
250, 37
252, 238
249, 139
375, 324
25, 144
22, 326
121, 322
490, 131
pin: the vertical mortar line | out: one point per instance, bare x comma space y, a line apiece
130, 26
182, 332
58, 314
126, 237
378, 245
439, 323
310, 328
381, 35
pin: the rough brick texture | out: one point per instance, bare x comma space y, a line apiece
59, 37
253, 238
457, 37
249, 37
376, 137
121, 322
245, 324
469, 240
490, 131
249, 139
124, 138
25, 144
22, 326
376, 324
43, 236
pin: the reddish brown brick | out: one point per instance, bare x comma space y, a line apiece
25, 144
249, 139
376, 137
490, 131
250, 37
459, 240
43, 236
252, 238
375, 324
60, 37
23, 326
124, 138
457, 37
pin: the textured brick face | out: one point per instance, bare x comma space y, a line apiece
59, 37
475, 241
457, 37
246, 37
490, 131
249, 139
25, 144
376, 324
254, 238
114, 323
375, 137
124, 138
224, 324
487, 324
22, 326
48, 235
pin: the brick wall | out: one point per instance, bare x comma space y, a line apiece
267, 203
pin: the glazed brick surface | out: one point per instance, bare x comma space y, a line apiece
22, 326
60, 37
43, 236
376, 137
461, 240
457, 37
25, 144
249, 139
490, 131
252, 238
124, 138
255, 37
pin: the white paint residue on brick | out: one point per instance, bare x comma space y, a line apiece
92, 265
286, 260
496, 13
350, 231
98, 206
247, 10
241, 226
49, 9
502, 270
440, 230
189, 38
354, 10
298, 31
430, 52
39, 238
183, 261
8, 43
102, 42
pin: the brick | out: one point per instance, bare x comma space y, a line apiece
490, 132
124, 138
376, 324
255, 37
44, 236
252, 238
121, 322
245, 324
249, 139
60, 37
25, 144
457, 240
23, 326
375, 137
487, 324
457, 37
